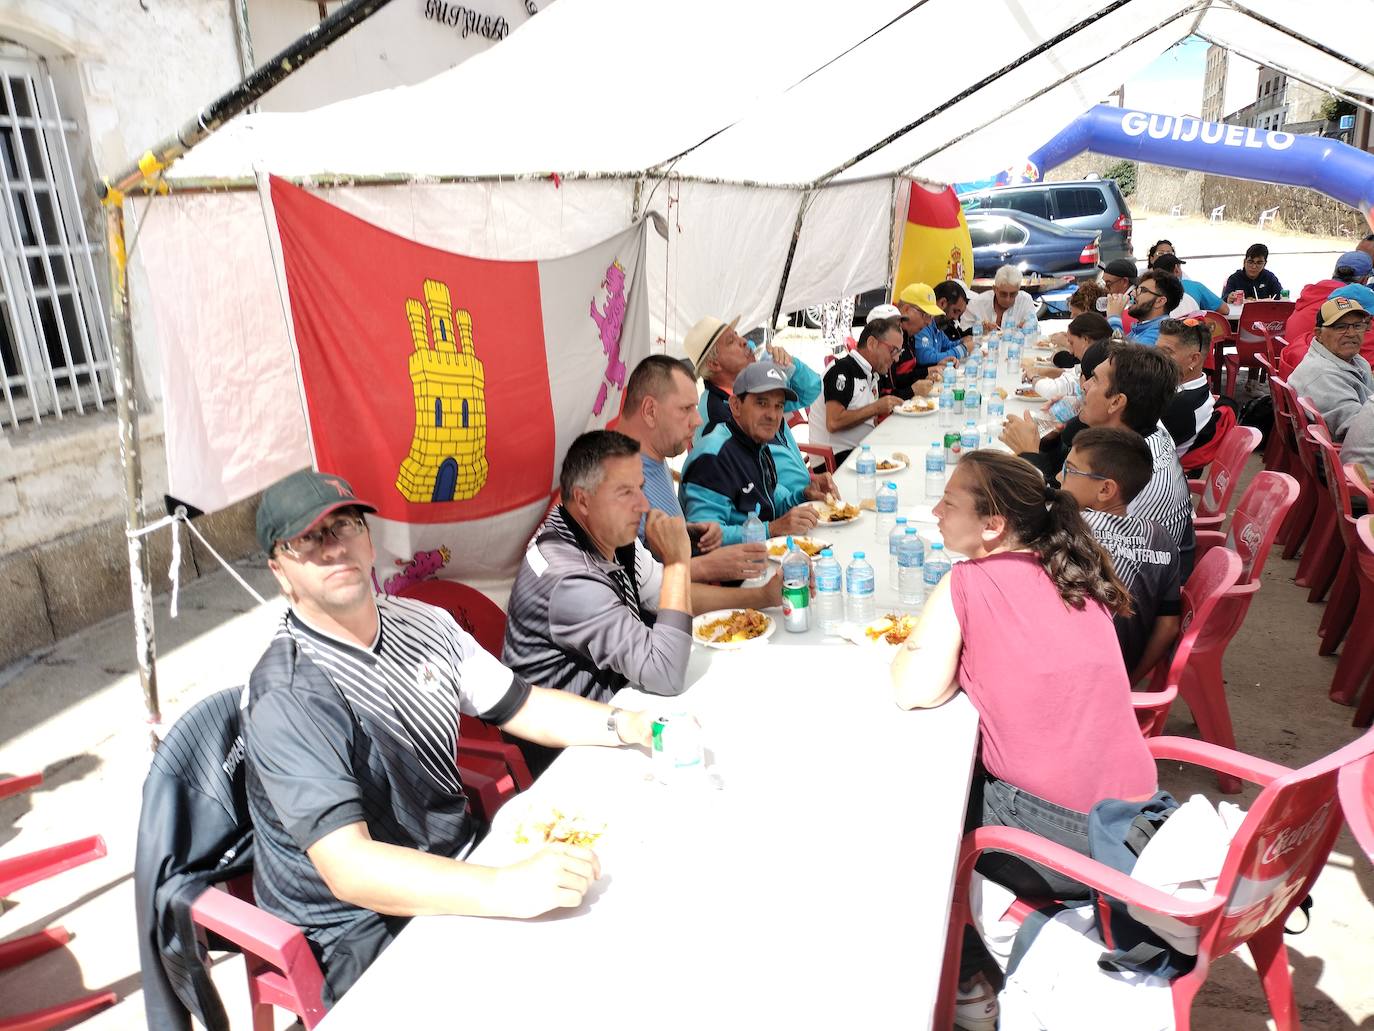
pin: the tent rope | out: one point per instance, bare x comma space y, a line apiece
174, 571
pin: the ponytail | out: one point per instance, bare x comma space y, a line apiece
1046, 519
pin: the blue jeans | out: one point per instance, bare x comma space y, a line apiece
995, 803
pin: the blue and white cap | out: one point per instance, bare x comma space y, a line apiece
760, 378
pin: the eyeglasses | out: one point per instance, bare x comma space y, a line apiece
1257, 261
1356, 328
1071, 470
308, 544
1146, 290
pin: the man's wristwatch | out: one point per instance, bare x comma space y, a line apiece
613, 723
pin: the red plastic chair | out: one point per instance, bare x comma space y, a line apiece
1259, 321
282, 971
1300, 520
1214, 574
1275, 457
1344, 486
1357, 659
1220, 327
1223, 475
1355, 783
1276, 855
825, 454
1321, 555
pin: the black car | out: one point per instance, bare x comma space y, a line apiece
1006, 237
1080, 204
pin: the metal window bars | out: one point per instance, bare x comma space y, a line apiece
54, 346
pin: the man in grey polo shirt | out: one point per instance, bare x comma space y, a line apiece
592, 610
1333, 375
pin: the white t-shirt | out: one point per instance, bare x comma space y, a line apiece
980, 309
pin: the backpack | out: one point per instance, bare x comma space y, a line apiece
1259, 413
193, 832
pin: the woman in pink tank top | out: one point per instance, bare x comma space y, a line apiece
1024, 627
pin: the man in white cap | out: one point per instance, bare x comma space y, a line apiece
1334, 376
718, 354
730, 472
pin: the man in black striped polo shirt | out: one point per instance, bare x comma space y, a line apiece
351, 733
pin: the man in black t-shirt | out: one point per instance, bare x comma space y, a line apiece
351, 734
851, 399
1191, 415
1104, 472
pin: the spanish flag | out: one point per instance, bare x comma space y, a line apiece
935, 240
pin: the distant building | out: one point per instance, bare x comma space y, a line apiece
1214, 84
1281, 102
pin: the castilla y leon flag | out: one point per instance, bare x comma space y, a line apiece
447, 388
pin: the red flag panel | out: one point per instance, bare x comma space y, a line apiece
425, 374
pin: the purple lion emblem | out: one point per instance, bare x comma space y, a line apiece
423, 566
610, 323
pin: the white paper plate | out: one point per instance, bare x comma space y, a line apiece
841, 522
897, 462
773, 542
707, 617
915, 415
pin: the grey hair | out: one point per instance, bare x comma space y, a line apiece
584, 465
1007, 275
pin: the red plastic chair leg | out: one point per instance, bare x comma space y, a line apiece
1319, 542
27, 869
1204, 689
14, 785
1357, 659
21, 950
1271, 963
1299, 522
1340, 607
63, 1012
1364, 715
1184, 990
1325, 569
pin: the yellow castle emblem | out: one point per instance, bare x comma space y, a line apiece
448, 457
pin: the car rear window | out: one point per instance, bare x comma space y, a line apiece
1079, 202
985, 233
1032, 202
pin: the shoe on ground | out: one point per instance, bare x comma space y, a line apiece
975, 1005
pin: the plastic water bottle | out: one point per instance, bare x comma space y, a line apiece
935, 470
977, 339
989, 379
886, 504
796, 589
858, 591
867, 468
911, 553
936, 566
1066, 407
755, 532
947, 406
829, 593
973, 398
997, 410
968, 440
892, 538
1032, 330
973, 364
1014, 352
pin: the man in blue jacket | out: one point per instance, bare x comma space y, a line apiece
1156, 296
718, 354
730, 472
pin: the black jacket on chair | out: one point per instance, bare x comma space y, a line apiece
193, 832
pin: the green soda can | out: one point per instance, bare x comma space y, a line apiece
953, 446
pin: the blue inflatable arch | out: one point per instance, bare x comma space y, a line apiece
1327, 166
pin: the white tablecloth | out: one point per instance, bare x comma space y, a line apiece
810, 891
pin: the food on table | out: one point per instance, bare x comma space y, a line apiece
809, 545
836, 511
894, 628
919, 404
559, 828
1001, 392
887, 465
1025, 390
740, 625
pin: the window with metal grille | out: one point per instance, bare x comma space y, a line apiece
53, 344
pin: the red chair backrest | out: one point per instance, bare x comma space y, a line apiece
473, 610
1355, 783
1336, 484
796, 417
1271, 317
1358, 485
1257, 518
1280, 849
1276, 345
1223, 474
1304, 416
1216, 574
1364, 531
1217, 324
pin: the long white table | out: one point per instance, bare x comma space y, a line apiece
810, 890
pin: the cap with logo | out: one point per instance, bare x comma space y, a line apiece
922, 295
1168, 263
1335, 308
293, 505
702, 336
883, 311
762, 377
1123, 268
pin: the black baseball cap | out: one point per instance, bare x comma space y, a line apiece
295, 504
1123, 267
1168, 263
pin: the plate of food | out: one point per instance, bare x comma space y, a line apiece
777, 547
893, 628
1026, 392
732, 628
895, 464
554, 826
836, 513
917, 406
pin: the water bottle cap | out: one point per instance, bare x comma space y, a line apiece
790, 545
827, 553
935, 443
864, 447
892, 484
911, 531
937, 546
969, 423
858, 554
901, 519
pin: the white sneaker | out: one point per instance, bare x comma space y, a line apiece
975, 1007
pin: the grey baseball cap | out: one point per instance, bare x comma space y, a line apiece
761, 377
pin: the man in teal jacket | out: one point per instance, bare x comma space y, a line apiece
719, 354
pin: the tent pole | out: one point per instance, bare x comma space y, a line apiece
893, 239
244, 95
791, 253
130, 456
